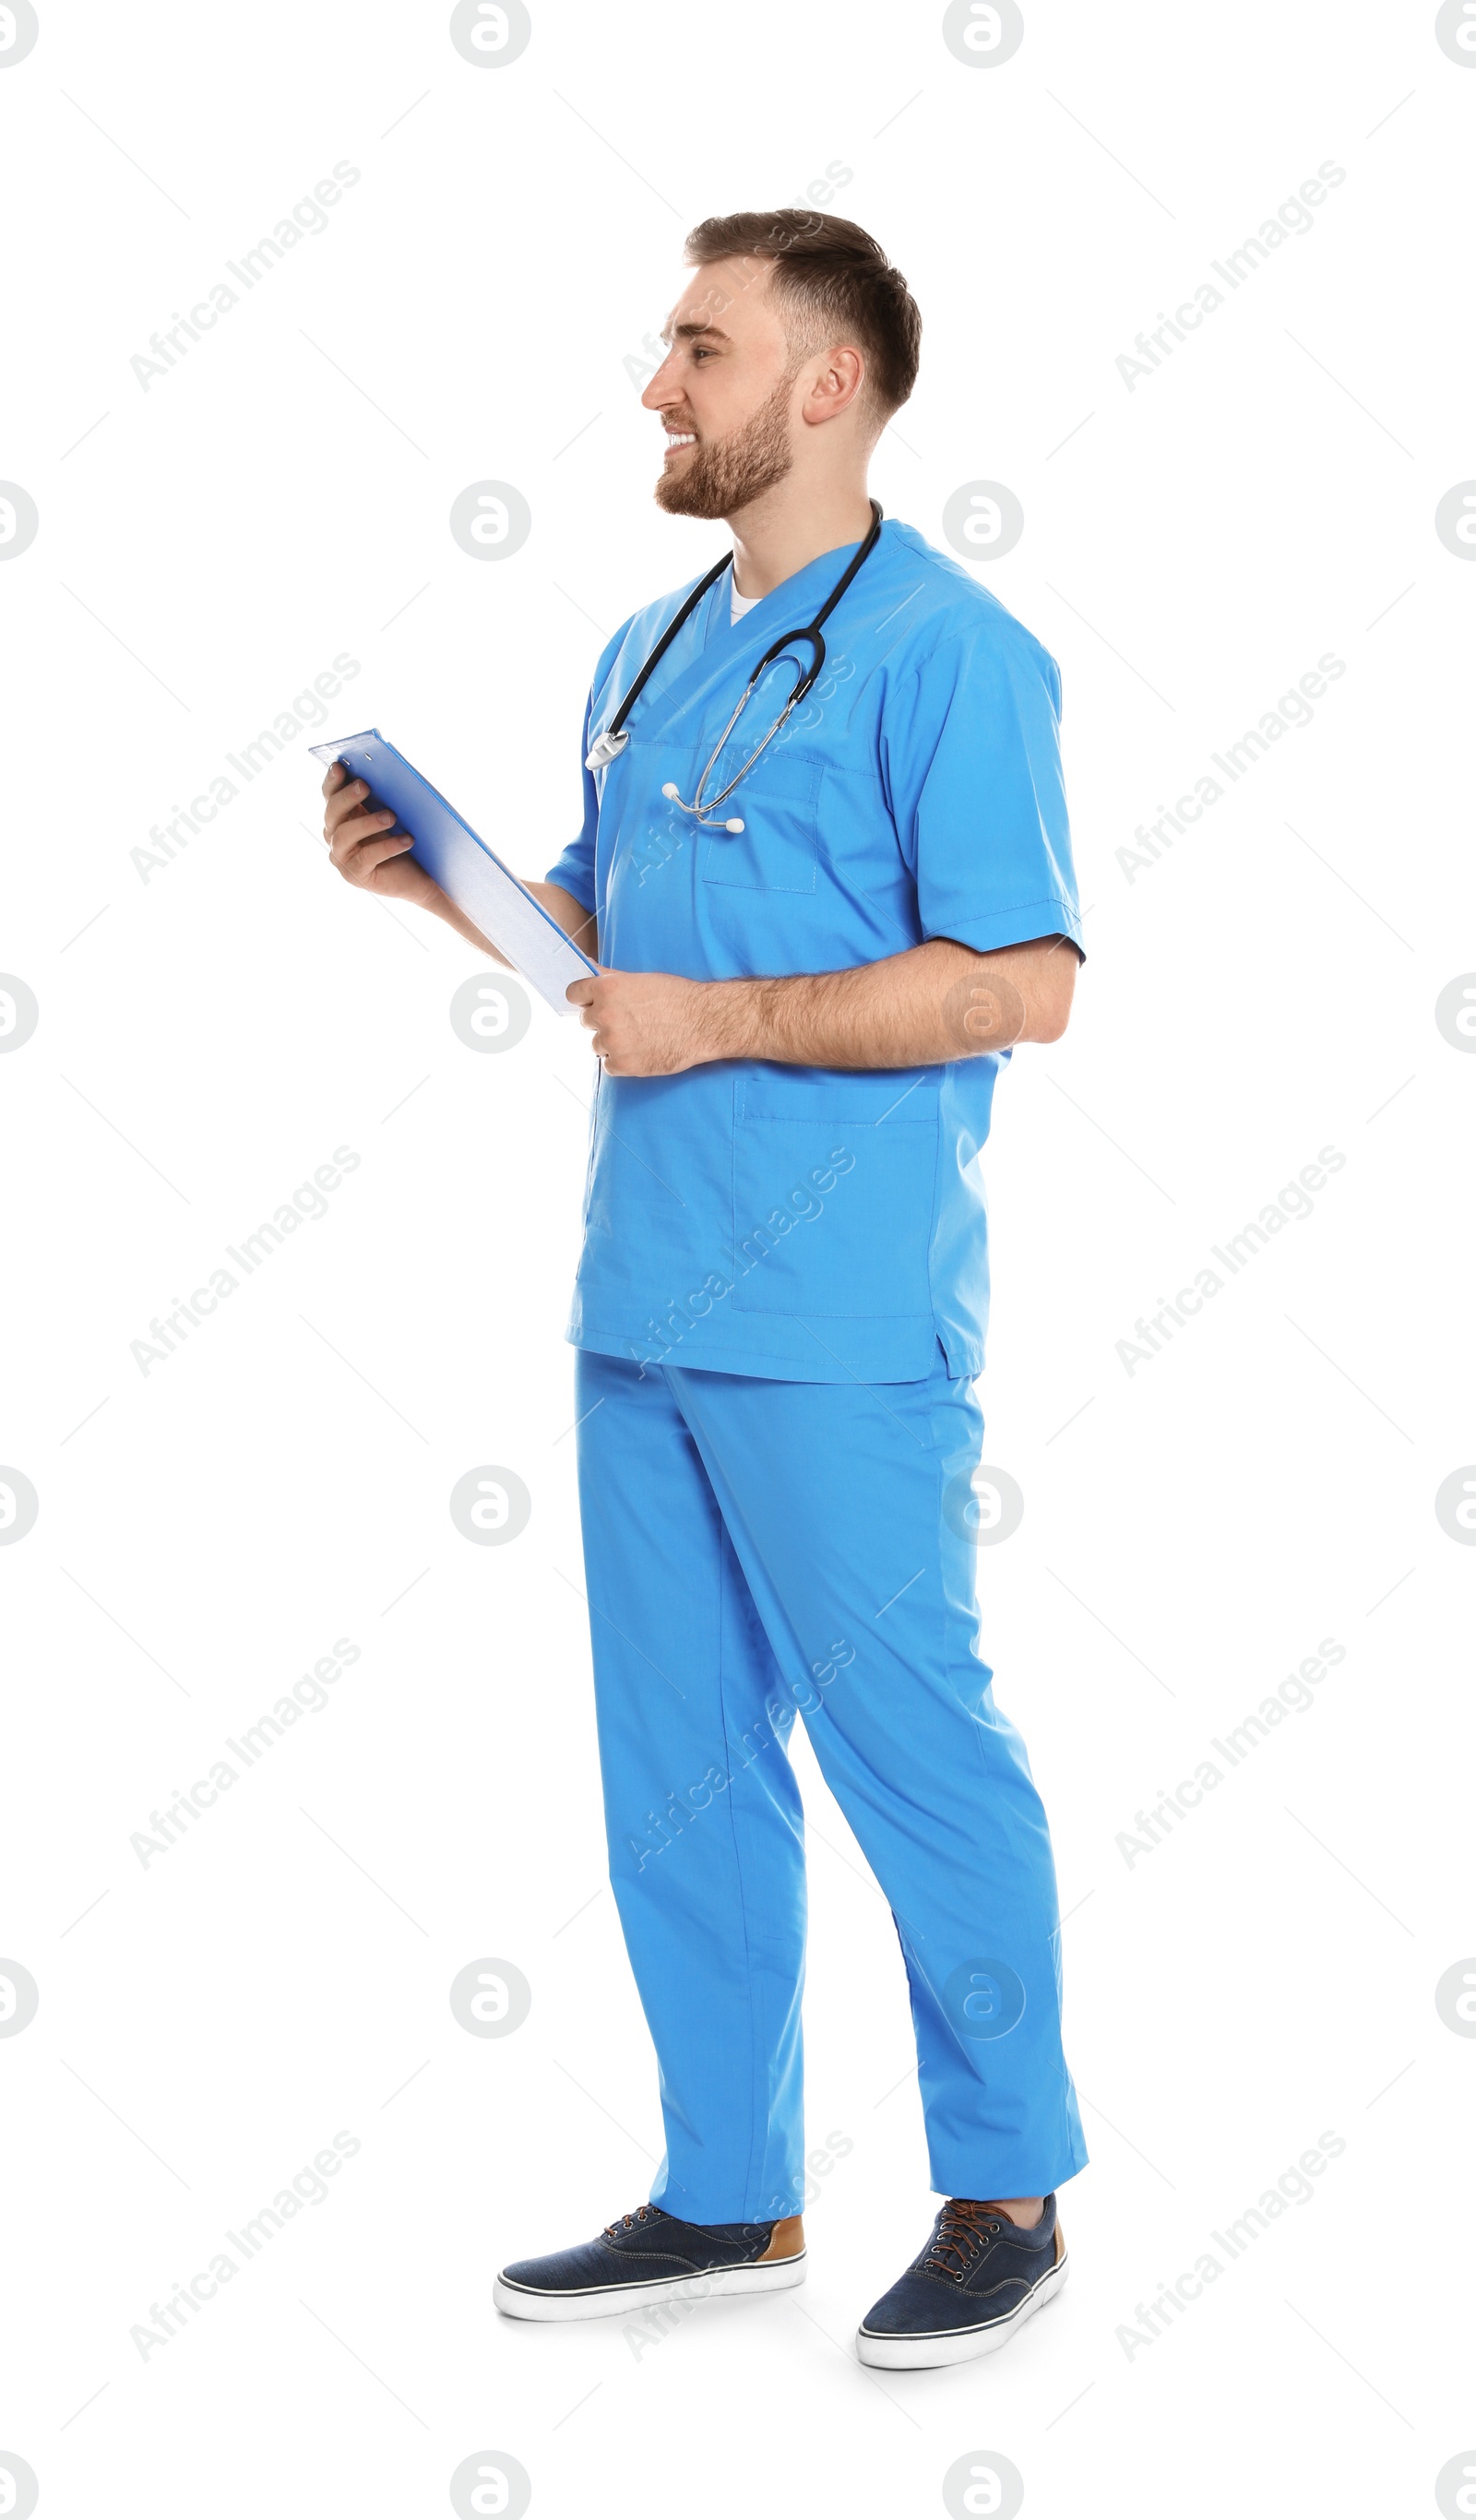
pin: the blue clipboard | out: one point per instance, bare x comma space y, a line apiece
469, 873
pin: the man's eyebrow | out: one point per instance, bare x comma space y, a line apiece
691, 333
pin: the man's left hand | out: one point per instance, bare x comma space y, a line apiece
644, 1023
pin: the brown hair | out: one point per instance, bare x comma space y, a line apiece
834, 278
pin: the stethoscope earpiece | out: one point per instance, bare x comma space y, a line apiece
734, 821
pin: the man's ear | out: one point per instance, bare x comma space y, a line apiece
837, 388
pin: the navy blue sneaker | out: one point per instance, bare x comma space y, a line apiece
648, 2256
977, 2281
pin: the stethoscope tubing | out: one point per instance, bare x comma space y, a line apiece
615, 738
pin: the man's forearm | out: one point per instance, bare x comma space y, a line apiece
567, 913
935, 1002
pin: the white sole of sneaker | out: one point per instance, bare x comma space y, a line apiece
676, 2292
955, 2345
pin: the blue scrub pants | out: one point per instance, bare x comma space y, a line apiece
759, 1548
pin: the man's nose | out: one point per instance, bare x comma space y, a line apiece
664, 389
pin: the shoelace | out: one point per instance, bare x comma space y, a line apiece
963, 2228
628, 2221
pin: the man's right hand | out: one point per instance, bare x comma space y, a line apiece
368, 850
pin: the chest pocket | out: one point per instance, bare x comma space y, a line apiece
777, 848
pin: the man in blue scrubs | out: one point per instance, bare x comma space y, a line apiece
821, 931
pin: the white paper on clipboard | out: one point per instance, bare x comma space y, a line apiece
469, 873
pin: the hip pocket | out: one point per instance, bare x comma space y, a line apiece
832, 1216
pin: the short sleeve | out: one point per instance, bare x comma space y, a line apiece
972, 761
575, 870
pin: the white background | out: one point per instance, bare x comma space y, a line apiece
210, 1030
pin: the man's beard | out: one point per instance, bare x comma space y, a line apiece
724, 475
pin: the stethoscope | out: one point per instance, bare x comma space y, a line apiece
607, 746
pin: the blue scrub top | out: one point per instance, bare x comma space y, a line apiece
813, 1223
